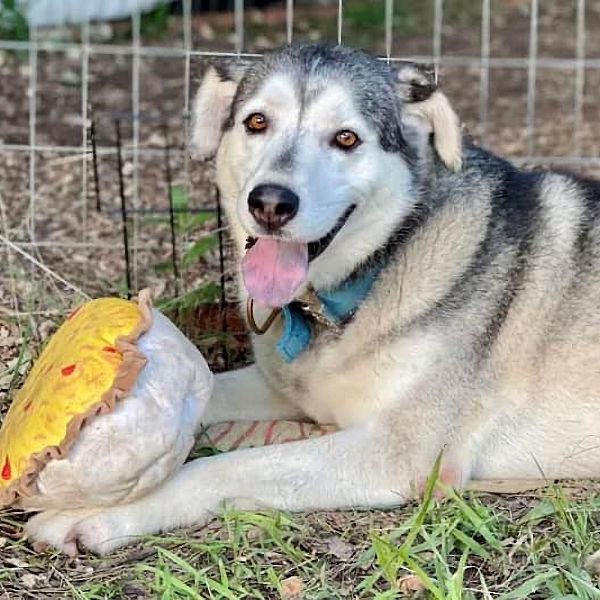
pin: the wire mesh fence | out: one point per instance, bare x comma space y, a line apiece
98, 193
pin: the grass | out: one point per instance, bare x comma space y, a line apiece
463, 547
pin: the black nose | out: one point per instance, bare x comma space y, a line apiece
272, 206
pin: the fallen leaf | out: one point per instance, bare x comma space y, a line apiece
16, 562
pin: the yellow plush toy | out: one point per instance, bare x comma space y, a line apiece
116, 358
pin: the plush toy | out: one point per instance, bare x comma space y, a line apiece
110, 409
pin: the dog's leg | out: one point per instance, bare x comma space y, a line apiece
244, 395
358, 467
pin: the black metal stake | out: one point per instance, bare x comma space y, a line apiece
171, 211
95, 165
222, 299
123, 207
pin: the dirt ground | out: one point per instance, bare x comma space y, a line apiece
85, 247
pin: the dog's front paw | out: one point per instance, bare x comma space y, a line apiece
100, 533
96, 530
51, 528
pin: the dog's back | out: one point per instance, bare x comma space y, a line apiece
524, 310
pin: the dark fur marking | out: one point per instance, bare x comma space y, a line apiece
510, 229
285, 161
399, 236
590, 190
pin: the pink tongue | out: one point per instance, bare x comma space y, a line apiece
274, 270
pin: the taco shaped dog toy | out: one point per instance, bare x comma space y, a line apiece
108, 411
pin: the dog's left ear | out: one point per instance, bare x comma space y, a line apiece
212, 106
429, 106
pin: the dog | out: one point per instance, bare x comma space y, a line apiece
423, 295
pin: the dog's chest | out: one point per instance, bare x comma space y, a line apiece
346, 383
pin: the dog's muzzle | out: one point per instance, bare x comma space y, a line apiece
319, 246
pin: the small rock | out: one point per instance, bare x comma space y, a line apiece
410, 583
70, 78
134, 590
127, 168
256, 17
29, 580
206, 31
264, 43
339, 548
592, 564
292, 587
156, 139
101, 32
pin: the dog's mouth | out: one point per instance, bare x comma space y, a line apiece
274, 269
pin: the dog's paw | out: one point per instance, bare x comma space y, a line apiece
75, 531
51, 528
99, 533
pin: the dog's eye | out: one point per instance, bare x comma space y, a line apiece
346, 139
256, 123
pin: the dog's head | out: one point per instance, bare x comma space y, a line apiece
319, 152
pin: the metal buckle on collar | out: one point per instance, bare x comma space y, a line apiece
309, 303
320, 319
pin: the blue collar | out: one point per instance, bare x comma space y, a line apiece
338, 306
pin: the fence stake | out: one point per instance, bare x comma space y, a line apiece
123, 208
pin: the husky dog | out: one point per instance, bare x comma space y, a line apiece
420, 293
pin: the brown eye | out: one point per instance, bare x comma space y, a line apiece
346, 139
256, 123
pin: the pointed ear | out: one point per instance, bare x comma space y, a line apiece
427, 108
211, 109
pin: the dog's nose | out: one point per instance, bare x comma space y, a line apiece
272, 206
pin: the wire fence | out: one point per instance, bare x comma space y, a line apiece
29, 243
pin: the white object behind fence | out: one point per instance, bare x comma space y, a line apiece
42, 13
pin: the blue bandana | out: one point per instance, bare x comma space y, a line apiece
338, 305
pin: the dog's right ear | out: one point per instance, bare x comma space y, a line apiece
211, 109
